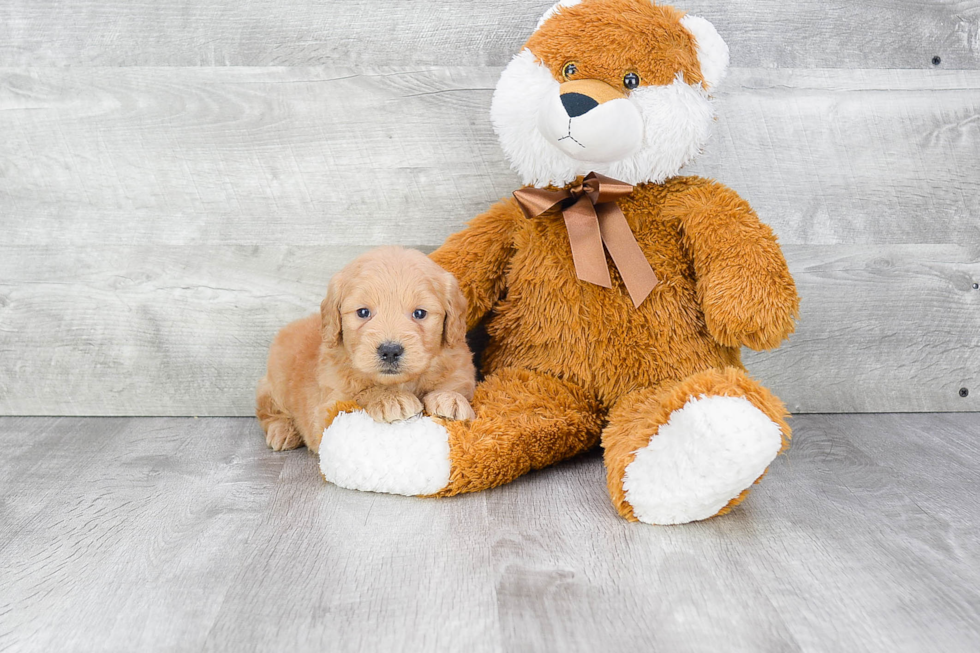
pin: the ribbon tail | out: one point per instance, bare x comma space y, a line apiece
633, 266
585, 239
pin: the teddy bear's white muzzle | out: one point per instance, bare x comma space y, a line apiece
604, 133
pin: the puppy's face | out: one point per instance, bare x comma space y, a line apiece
393, 310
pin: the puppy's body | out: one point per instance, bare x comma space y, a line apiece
390, 336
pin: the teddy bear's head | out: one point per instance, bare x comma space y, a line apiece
618, 87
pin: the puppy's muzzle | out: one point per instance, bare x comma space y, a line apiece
390, 355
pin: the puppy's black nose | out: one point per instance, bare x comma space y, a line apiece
390, 352
576, 104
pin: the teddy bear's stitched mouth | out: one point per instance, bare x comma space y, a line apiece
569, 135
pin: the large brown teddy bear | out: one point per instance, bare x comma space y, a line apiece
635, 346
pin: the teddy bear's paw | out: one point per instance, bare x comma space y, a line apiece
709, 452
761, 318
754, 334
409, 457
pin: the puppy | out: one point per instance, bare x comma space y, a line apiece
391, 336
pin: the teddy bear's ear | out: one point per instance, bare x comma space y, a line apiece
554, 9
712, 50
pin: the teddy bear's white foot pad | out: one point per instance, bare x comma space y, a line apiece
409, 457
709, 451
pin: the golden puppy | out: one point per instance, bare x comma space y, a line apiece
391, 336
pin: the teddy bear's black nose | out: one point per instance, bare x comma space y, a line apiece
576, 104
390, 352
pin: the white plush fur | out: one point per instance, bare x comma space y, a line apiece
410, 457
610, 132
712, 49
676, 121
554, 9
703, 457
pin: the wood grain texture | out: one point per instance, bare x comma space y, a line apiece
246, 156
892, 328
852, 157
768, 33
129, 529
181, 534
367, 572
150, 330
175, 331
896, 559
829, 553
340, 156
159, 224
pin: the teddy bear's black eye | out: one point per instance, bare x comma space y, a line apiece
419, 313
569, 69
363, 313
631, 80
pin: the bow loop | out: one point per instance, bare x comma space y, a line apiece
609, 189
593, 219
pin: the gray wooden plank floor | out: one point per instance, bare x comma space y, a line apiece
188, 534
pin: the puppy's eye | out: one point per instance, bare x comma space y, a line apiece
569, 70
631, 80
419, 313
363, 313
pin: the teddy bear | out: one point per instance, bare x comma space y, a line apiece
615, 292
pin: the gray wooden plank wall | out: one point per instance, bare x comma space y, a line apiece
762, 33
177, 180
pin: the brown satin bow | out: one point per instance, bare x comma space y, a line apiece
592, 220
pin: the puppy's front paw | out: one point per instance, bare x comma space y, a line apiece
450, 405
393, 407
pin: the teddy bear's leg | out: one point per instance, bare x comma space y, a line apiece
692, 450
524, 420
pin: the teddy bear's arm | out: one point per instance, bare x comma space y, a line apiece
743, 282
478, 256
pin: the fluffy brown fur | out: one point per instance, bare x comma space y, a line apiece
570, 364
599, 366
637, 416
653, 47
332, 361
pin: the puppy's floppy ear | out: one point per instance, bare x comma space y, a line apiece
454, 324
331, 328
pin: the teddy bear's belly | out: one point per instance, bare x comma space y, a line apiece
552, 322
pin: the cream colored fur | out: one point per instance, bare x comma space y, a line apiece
323, 359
